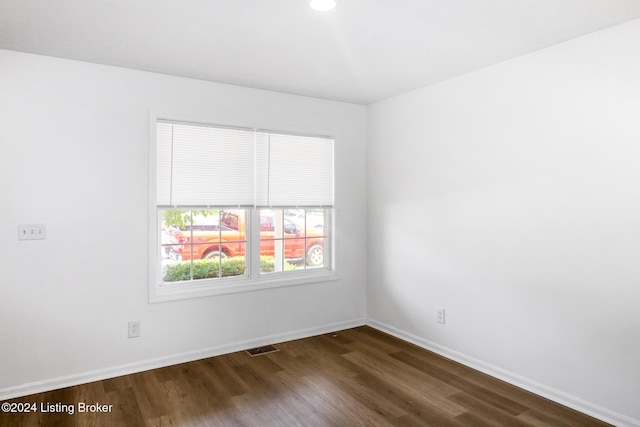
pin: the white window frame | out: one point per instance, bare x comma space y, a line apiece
160, 291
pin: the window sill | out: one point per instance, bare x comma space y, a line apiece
205, 288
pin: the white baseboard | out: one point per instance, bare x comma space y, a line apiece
540, 389
145, 365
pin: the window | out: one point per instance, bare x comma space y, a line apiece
237, 209
202, 244
295, 238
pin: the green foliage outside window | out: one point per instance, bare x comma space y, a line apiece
210, 268
180, 219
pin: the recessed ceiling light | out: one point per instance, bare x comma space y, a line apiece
322, 5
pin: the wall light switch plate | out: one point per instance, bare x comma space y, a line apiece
32, 231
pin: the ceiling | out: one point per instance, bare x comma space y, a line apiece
361, 52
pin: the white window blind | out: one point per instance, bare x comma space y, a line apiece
200, 165
294, 171
204, 165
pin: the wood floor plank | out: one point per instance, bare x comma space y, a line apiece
420, 410
258, 409
125, 410
147, 390
408, 383
295, 365
356, 377
553, 413
536, 419
167, 373
487, 411
365, 393
475, 420
506, 404
342, 405
391, 344
226, 377
374, 340
52, 418
564, 417
117, 383
300, 399
397, 367
370, 395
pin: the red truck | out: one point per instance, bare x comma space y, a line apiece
227, 239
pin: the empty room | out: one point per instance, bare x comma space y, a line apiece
320, 213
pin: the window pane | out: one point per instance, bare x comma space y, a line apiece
173, 268
315, 252
292, 239
293, 223
294, 250
314, 220
202, 244
204, 234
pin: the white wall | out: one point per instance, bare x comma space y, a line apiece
73, 155
511, 197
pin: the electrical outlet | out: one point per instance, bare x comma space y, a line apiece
440, 315
134, 329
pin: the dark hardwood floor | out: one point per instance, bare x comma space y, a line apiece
356, 377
